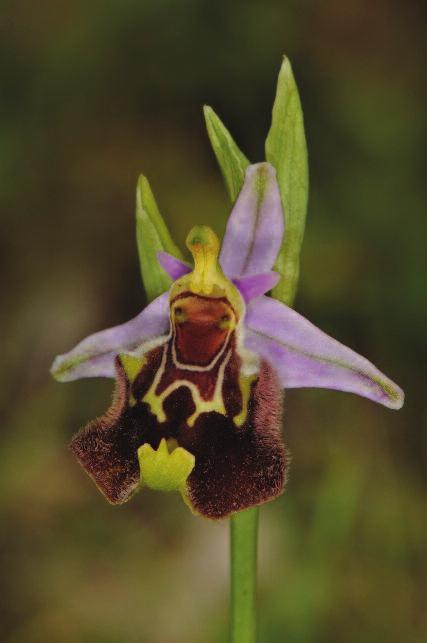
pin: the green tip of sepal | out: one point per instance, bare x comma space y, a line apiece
286, 150
167, 468
152, 237
62, 367
394, 397
58, 371
231, 160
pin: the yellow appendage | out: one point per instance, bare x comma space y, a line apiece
164, 469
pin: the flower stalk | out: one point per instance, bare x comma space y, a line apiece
244, 541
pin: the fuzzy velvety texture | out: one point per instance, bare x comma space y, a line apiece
107, 447
236, 467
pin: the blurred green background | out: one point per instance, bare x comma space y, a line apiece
92, 93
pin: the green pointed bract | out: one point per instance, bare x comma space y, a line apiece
231, 160
152, 236
286, 150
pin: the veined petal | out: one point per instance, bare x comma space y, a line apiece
255, 228
304, 356
256, 285
94, 356
174, 267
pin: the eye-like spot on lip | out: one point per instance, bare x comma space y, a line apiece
179, 314
225, 321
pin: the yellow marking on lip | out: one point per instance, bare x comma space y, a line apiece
245, 383
216, 403
132, 365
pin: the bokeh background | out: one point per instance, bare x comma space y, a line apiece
93, 93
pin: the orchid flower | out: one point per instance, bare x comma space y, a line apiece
198, 405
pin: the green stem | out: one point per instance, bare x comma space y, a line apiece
244, 540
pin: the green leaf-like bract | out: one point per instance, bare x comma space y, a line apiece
231, 160
152, 236
286, 150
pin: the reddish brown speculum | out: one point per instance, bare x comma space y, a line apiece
201, 326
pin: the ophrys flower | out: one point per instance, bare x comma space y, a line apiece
198, 404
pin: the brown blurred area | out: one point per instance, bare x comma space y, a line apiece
94, 93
